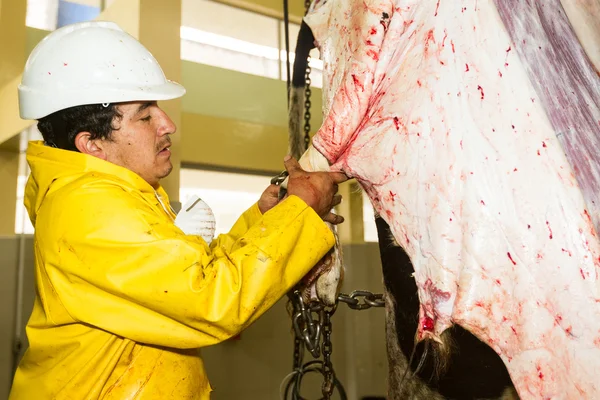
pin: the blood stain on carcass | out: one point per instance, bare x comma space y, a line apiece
540, 374
373, 54
428, 39
481, 91
373, 31
466, 67
550, 229
582, 273
357, 83
427, 324
511, 259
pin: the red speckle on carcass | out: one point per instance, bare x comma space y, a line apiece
461, 146
443, 63
429, 38
511, 259
65, 64
467, 68
539, 256
49, 73
437, 8
541, 376
582, 274
481, 91
499, 282
568, 252
373, 54
444, 39
453, 49
373, 31
506, 64
515, 170
509, 49
544, 144
427, 324
500, 74
408, 23
397, 123
357, 83
406, 238
569, 331
550, 229
369, 43
513, 329
528, 226
419, 83
450, 219
483, 202
513, 126
392, 195
538, 153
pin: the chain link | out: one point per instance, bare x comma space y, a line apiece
369, 300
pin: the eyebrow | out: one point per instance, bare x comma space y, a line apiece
144, 106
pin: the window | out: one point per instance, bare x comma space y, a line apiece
22, 222
370, 228
227, 194
42, 14
227, 37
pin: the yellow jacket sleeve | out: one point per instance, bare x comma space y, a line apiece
241, 226
114, 261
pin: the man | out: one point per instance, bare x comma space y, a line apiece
123, 297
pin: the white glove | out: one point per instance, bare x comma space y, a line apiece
197, 218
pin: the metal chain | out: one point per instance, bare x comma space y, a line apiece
328, 374
307, 91
311, 322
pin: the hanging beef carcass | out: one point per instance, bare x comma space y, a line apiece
473, 126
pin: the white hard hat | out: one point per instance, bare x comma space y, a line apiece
90, 63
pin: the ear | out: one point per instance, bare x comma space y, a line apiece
86, 145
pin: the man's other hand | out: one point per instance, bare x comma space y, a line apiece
268, 199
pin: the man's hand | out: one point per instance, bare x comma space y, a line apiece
317, 189
268, 199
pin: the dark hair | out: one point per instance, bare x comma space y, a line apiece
60, 128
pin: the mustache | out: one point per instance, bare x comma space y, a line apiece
162, 145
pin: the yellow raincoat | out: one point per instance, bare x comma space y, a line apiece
124, 299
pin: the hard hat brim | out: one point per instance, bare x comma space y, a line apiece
34, 104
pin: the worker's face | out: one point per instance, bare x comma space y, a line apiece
142, 142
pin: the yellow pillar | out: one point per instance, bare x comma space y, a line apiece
352, 231
156, 24
12, 61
